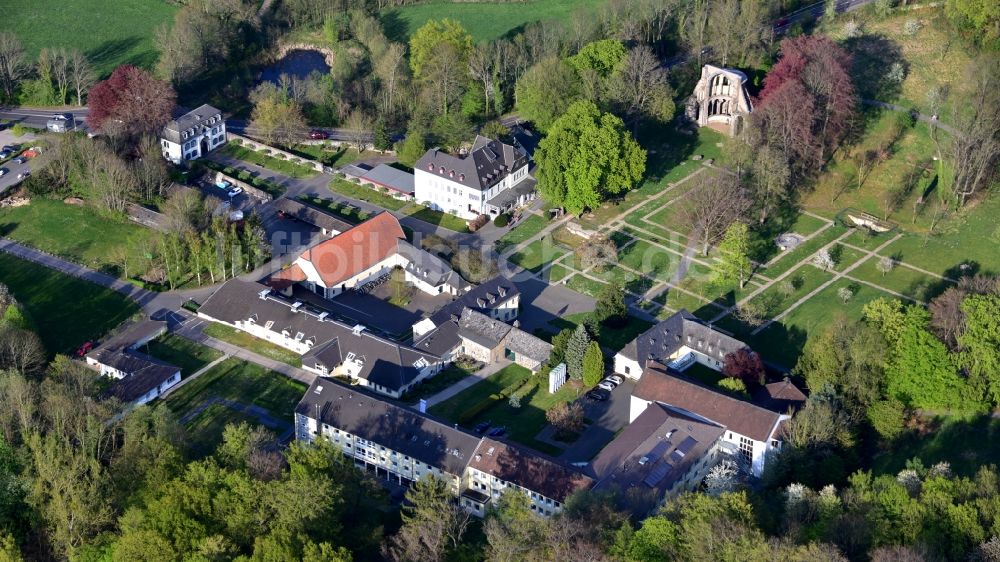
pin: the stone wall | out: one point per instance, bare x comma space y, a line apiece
252, 191
258, 146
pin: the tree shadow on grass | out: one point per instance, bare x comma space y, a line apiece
115, 50
966, 444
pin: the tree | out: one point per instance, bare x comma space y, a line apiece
824, 260
722, 478
586, 157
745, 365
359, 128
425, 43
610, 306
81, 74
593, 364
560, 342
981, 18
980, 343
845, 294
566, 418
432, 523
20, 350
717, 202
131, 101
277, 120
734, 259
13, 64
411, 148
885, 264
770, 176
546, 91
976, 152
640, 87
442, 78
576, 348
381, 140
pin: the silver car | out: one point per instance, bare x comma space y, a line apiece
606, 385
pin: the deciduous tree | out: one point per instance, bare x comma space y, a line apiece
546, 91
132, 101
734, 255
745, 365
426, 43
715, 203
13, 64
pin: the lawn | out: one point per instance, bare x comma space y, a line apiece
556, 273
251, 343
964, 443
367, 194
585, 285
807, 224
676, 299
484, 21
350, 214
74, 232
109, 32
521, 231
453, 407
435, 384
66, 311
650, 260
776, 299
970, 238
782, 341
610, 338
790, 258
285, 167
437, 218
534, 256
246, 383
330, 155
184, 353
901, 279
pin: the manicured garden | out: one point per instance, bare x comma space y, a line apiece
65, 310
367, 194
245, 383
184, 353
280, 165
251, 343
521, 231
109, 32
534, 256
77, 233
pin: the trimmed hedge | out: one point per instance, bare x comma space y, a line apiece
473, 412
501, 221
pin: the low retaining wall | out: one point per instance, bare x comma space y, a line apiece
257, 146
249, 189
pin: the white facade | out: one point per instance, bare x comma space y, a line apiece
441, 193
683, 356
188, 138
111, 372
494, 487
314, 282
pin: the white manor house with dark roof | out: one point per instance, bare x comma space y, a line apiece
193, 134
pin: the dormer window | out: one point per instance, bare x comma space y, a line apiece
351, 356
461, 177
430, 167
441, 170
268, 324
451, 174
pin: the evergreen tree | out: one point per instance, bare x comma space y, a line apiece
610, 307
410, 149
382, 140
593, 364
734, 259
576, 348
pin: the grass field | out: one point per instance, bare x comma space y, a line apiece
290, 169
333, 156
437, 218
109, 32
245, 383
256, 345
66, 311
366, 194
74, 232
485, 21
610, 338
534, 256
521, 231
184, 353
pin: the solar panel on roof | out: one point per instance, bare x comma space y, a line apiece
658, 473
659, 450
676, 457
686, 445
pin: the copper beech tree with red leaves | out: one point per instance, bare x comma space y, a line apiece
808, 101
130, 101
745, 365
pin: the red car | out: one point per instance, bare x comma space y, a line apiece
316, 134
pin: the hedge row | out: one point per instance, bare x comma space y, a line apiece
473, 411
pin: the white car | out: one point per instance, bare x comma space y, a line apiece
615, 379
235, 191
606, 385
3, 172
23, 175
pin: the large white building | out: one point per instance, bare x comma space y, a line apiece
193, 135
138, 378
489, 179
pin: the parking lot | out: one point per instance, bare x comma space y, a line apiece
13, 168
607, 418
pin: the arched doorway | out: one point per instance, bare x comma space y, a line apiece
204, 146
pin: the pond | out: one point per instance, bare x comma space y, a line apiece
299, 63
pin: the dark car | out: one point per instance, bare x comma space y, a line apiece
498, 432
19, 160
482, 427
599, 394
317, 134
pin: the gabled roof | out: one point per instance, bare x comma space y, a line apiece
390, 177
194, 119
395, 427
528, 469
658, 384
487, 163
681, 329
779, 396
311, 215
655, 450
479, 328
428, 267
142, 372
528, 345
444, 337
350, 252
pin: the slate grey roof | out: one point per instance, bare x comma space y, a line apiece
142, 372
195, 119
528, 345
510, 196
390, 177
487, 163
654, 451
311, 215
428, 267
394, 427
482, 329
487, 296
528, 469
386, 363
683, 328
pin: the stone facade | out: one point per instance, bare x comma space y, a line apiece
720, 100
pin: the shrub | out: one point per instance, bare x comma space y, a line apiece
479, 407
733, 385
229, 171
243, 175
887, 417
501, 221
18, 130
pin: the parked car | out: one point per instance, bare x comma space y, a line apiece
497, 431
19, 160
482, 427
606, 385
24, 174
317, 134
235, 191
599, 394
3, 172
8, 148
4, 154
615, 379
63, 116
223, 184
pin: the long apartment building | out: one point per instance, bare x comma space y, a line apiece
403, 445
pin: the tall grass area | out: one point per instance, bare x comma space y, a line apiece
108, 32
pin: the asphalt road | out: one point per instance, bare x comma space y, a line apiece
38, 117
